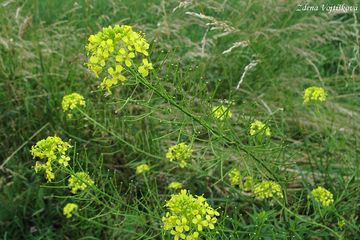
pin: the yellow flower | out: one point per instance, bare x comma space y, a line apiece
175, 185
314, 94
188, 216
126, 57
145, 67
69, 209
322, 196
79, 181
107, 83
69, 102
54, 150
180, 153
142, 168
234, 176
116, 76
258, 127
116, 47
221, 112
268, 189
142, 46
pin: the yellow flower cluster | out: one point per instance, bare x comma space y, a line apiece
175, 185
115, 49
314, 94
188, 216
54, 150
79, 181
69, 209
268, 189
69, 102
221, 112
180, 153
322, 196
234, 176
142, 168
258, 127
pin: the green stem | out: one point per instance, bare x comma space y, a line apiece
203, 123
117, 136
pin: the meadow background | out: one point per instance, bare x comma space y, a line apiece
42, 56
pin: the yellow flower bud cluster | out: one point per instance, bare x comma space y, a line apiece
142, 168
180, 153
268, 189
69, 102
235, 179
259, 128
221, 112
54, 150
79, 181
188, 216
115, 49
314, 94
234, 176
69, 209
175, 185
322, 196
341, 222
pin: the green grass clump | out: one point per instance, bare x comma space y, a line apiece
219, 67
